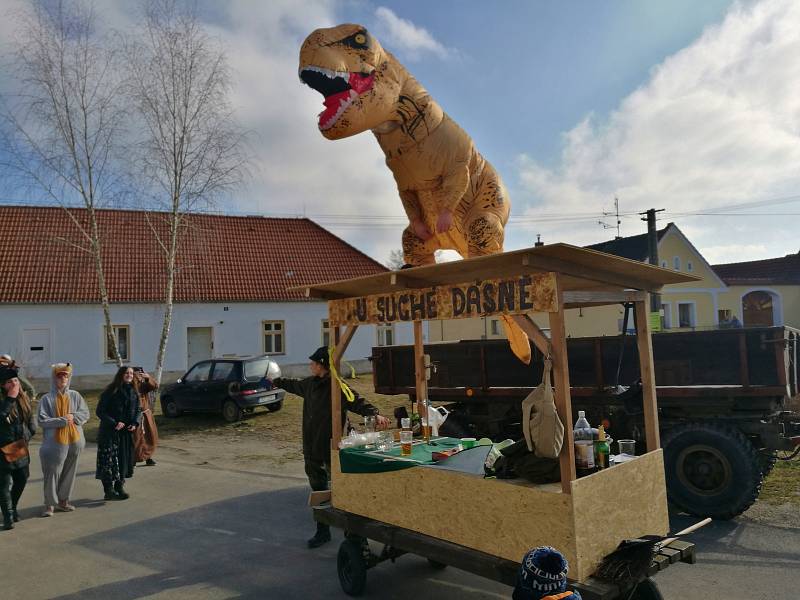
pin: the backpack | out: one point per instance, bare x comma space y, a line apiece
543, 429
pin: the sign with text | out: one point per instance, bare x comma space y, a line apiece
511, 296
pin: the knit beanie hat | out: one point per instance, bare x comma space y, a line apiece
543, 572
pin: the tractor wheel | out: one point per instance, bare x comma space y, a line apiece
712, 470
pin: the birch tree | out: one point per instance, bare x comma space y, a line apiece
190, 151
61, 123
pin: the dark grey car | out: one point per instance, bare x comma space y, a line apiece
231, 386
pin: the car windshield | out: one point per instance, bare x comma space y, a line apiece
255, 369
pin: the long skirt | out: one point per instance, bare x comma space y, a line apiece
115, 459
145, 438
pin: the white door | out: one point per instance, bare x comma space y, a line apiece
35, 355
200, 344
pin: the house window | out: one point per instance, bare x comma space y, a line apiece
663, 264
676, 263
686, 317
326, 333
495, 327
122, 334
385, 334
273, 337
666, 316
689, 266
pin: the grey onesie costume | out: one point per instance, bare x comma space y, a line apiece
60, 462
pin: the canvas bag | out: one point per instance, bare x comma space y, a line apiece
544, 431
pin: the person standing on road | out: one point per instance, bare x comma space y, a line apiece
318, 425
17, 426
145, 438
120, 415
62, 413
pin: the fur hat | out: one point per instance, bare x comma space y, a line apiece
543, 572
321, 356
8, 372
61, 368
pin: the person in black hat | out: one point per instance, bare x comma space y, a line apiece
318, 424
17, 424
543, 576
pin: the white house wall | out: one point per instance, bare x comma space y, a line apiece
76, 333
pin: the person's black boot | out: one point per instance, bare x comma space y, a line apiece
119, 488
108, 492
5, 507
150, 462
14, 514
323, 536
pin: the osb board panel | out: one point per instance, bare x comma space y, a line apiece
483, 514
516, 295
625, 501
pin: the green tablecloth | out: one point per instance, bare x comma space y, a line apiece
369, 460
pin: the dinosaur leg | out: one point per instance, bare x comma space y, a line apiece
416, 251
484, 235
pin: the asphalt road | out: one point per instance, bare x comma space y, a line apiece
200, 532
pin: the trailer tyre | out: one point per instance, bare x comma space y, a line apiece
352, 568
712, 470
646, 590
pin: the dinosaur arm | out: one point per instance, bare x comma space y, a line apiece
454, 185
411, 205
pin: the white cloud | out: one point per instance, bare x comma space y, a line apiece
716, 124
408, 40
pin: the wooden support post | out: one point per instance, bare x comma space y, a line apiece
563, 400
340, 343
419, 369
645, 345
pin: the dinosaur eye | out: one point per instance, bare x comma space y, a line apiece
360, 39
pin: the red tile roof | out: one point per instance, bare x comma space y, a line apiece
775, 271
223, 258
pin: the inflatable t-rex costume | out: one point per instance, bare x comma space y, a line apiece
453, 197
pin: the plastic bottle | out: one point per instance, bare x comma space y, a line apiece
601, 449
582, 435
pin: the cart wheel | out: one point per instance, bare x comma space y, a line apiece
435, 564
646, 590
352, 568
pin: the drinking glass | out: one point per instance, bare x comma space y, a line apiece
406, 438
627, 447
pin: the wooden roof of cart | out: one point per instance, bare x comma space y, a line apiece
580, 269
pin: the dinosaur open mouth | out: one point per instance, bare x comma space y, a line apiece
339, 88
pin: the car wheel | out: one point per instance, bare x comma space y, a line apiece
275, 406
231, 411
170, 408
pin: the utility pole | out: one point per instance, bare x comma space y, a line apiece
652, 251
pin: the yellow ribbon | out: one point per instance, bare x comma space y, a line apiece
348, 393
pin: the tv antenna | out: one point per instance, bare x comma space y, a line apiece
612, 214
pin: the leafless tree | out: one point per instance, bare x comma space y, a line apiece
395, 260
191, 149
61, 123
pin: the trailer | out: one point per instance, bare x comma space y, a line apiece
584, 517
722, 400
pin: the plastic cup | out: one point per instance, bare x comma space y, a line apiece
385, 441
627, 447
406, 438
468, 443
405, 422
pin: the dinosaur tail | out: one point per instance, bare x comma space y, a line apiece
517, 339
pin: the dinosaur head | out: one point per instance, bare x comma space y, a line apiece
359, 80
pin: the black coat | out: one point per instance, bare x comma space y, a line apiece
317, 419
119, 406
13, 429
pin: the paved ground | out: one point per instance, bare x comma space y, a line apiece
200, 531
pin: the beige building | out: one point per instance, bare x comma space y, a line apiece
757, 293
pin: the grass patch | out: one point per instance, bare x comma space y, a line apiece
782, 485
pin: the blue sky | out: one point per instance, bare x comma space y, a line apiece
676, 104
